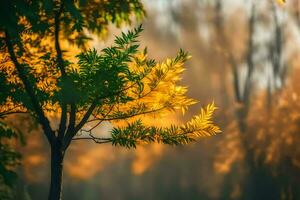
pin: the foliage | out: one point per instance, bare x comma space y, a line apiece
8, 160
37, 17
41, 76
276, 137
136, 132
118, 83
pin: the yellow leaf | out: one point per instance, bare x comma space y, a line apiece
281, 2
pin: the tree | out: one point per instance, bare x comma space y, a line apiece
260, 182
120, 84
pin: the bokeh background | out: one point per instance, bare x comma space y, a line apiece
245, 58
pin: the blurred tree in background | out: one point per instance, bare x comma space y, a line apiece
48, 73
251, 49
9, 158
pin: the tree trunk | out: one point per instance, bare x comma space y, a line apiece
57, 156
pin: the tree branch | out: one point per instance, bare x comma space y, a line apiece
60, 64
128, 116
72, 117
57, 45
89, 112
2, 115
101, 120
70, 134
14, 109
30, 91
95, 139
63, 120
99, 140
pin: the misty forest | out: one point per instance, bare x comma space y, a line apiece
149, 100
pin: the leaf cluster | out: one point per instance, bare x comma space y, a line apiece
9, 158
78, 18
136, 132
118, 83
122, 83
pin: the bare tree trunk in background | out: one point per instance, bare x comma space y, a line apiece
241, 97
256, 177
287, 172
221, 42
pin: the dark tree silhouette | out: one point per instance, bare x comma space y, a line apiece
40, 79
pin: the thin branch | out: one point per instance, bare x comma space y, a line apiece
128, 116
30, 91
11, 109
71, 133
12, 112
98, 123
96, 140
